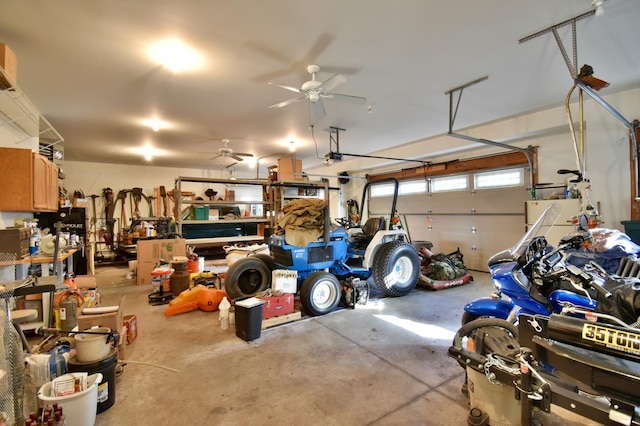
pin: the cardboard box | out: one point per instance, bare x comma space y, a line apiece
150, 252
284, 280
85, 281
131, 328
81, 202
154, 250
112, 320
276, 306
125, 350
9, 63
287, 167
143, 273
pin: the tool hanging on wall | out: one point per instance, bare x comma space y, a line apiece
165, 201
136, 194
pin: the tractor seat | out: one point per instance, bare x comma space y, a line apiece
371, 226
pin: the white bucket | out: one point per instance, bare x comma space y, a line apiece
92, 347
133, 265
79, 408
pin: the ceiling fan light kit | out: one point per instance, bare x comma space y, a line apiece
225, 151
315, 91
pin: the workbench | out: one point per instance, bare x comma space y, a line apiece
22, 272
22, 265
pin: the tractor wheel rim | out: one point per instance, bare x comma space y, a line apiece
403, 269
323, 294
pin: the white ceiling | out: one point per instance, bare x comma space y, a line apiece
83, 63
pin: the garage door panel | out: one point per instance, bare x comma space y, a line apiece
447, 233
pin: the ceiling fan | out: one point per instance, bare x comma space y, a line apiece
316, 91
228, 152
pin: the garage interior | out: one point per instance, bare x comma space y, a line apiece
140, 126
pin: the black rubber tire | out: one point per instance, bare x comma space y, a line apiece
267, 259
399, 261
247, 277
320, 293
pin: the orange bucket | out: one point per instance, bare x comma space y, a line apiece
192, 266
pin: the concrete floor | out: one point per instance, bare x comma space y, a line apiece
384, 363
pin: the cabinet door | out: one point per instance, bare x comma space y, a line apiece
16, 179
45, 184
54, 195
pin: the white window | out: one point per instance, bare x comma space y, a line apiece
413, 186
382, 190
450, 183
499, 179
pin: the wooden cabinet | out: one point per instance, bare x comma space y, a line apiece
28, 180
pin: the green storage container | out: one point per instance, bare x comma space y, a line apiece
632, 229
201, 213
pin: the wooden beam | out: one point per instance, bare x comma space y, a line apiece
461, 166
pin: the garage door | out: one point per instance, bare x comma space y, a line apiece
480, 223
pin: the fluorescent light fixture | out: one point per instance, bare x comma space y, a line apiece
175, 55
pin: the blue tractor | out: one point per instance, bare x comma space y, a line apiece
338, 265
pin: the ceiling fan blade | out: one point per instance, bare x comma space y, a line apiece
333, 82
293, 89
346, 98
236, 157
216, 156
289, 102
243, 154
318, 109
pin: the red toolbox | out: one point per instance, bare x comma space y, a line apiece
275, 306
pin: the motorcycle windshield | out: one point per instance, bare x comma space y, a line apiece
539, 229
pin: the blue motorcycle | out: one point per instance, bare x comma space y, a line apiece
535, 278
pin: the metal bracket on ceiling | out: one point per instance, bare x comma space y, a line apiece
454, 112
573, 67
573, 70
337, 155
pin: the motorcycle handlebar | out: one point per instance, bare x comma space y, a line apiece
587, 279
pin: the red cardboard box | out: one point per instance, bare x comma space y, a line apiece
275, 306
131, 327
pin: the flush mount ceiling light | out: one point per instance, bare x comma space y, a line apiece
148, 152
175, 56
155, 123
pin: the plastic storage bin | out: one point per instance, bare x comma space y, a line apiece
632, 229
80, 407
201, 213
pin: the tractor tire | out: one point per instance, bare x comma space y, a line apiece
320, 293
247, 277
396, 268
267, 259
